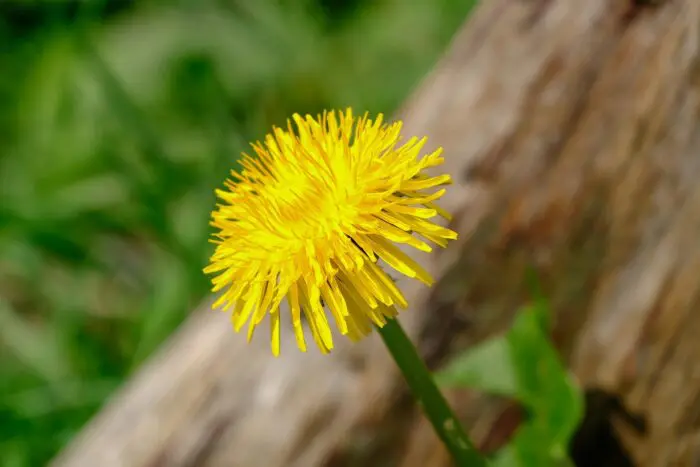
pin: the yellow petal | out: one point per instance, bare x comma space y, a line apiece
275, 332
400, 261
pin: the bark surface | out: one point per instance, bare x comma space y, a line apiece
571, 130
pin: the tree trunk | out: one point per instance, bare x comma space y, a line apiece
572, 132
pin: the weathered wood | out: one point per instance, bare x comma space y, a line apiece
572, 132
210, 399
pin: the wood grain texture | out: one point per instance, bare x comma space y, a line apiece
572, 132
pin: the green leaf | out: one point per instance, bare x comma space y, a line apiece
488, 367
545, 387
524, 365
526, 449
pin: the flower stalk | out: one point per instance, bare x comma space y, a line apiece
429, 397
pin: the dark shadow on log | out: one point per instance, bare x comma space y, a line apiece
596, 443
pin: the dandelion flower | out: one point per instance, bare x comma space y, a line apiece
308, 219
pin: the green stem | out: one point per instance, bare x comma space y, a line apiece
429, 397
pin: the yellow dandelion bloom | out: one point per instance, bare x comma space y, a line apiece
308, 219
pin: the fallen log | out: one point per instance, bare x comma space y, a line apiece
571, 130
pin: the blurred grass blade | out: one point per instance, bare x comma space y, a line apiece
128, 112
32, 345
41, 401
163, 312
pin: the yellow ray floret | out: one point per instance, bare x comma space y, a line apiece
308, 219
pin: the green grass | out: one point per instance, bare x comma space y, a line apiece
117, 123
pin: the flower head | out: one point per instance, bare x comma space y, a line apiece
308, 219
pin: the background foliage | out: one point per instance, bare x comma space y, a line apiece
117, 121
